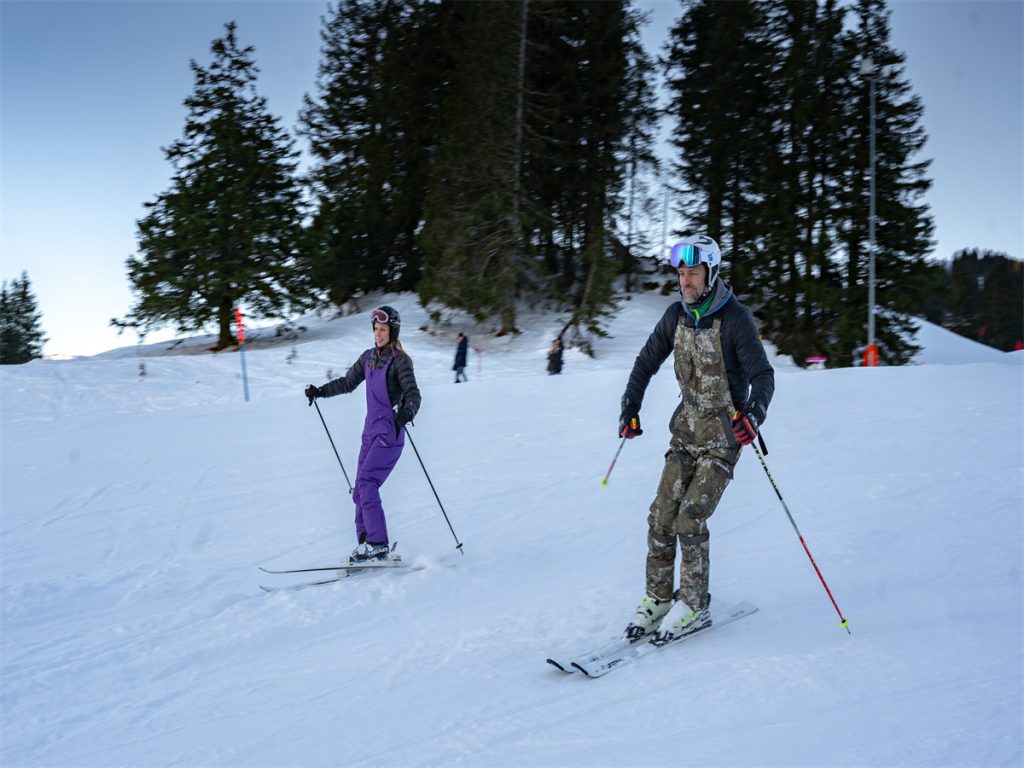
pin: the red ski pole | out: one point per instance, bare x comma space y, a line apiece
792, 522
605, 481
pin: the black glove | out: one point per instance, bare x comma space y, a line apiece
403, 417
313, 392
744, 425
629, 422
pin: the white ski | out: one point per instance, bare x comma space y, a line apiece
602, 665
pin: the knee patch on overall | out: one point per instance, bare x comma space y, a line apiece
675, 478
710, 479
661, 547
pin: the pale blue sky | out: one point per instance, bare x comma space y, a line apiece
90, 92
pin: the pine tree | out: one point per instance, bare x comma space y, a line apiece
228, 231
591, 118
799, 251
903, 224
472, 238
1002, 301
642, 168
616, 111
717, 68
985, 298
964, 303
772, 139
371, 128
21, 333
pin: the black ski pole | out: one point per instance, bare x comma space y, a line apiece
335, 449
458, 544
800, 536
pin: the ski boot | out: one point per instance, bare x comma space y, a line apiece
648, 615
370, 552
682, 620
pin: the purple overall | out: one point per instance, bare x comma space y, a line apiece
377, 456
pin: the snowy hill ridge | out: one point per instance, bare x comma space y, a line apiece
134, 512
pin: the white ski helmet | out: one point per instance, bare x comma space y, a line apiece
698, 249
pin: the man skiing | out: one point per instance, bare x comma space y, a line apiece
392, 401
726, 385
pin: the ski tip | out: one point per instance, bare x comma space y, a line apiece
558, 666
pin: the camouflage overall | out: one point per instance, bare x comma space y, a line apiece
698, 466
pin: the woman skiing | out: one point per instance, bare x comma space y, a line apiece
392, 401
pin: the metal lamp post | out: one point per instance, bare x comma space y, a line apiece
867, 70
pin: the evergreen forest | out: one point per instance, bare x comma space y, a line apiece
495, 154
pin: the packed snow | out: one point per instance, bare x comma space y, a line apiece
136, 510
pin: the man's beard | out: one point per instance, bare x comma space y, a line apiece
693, 296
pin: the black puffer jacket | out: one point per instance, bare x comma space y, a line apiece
751, 377
402, 388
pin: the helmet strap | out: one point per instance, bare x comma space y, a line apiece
702, 304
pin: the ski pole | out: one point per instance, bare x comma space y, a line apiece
605, 481
458, 544
792, 522
335, 449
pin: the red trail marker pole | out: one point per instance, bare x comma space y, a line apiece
241, 352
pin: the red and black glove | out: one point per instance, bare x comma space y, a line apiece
629, 423
744, 426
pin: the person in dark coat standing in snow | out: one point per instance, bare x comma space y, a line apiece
461, 350
555, 357
392, 401
726, 384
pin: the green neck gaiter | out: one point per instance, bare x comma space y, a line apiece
699, 311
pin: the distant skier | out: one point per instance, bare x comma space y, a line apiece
392, 401
722, 370
461, 350
555, 357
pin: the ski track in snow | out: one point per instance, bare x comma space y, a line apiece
135, 511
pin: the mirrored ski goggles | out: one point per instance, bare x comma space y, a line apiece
689, 255
379, 316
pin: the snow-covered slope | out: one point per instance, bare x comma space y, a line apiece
135, 511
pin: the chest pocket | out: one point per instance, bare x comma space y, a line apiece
701, 421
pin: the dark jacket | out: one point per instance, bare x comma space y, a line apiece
460, 354
402, 389
751, 377
555, 358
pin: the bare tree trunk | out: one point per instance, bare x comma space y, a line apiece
224, 337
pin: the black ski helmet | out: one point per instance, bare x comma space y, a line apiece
389, 315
